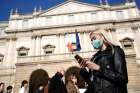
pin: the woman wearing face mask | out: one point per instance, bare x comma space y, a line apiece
106, 71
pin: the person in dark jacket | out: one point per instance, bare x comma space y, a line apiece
106, 71
56, 84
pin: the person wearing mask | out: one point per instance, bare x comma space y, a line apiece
106, 71
24, 87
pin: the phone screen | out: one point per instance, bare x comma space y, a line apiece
79, 59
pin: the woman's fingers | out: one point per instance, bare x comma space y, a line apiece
82, 63
93, 66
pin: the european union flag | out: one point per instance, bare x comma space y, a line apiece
78, 46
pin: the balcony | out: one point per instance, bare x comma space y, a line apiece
54, 57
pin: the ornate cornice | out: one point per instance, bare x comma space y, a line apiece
102, 8
97, 24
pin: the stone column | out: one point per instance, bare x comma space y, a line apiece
58, 46
87, 41
33, 48
82, 41
11, 52
7, 57
10, 61
112, 35
136, 31
62, 43
38, 45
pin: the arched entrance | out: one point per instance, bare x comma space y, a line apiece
75, 70
37, 78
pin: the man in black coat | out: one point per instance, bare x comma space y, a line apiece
56, 84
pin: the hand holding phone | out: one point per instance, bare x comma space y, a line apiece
80, 60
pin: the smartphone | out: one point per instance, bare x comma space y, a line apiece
79, 59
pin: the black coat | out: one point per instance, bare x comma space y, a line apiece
57, 85
112, 76
40, 91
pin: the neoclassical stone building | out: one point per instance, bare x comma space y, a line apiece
39, 40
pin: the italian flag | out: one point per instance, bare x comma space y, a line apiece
73, 42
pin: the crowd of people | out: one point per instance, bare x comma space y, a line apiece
105, 72
8, 89
55, 84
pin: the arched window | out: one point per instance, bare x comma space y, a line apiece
127, 43
23, 51
49, 49
1, 57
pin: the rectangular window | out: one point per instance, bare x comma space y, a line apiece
22, 51
48, 20
49, 49
71, 18
94, 16
119, 15
127, 43
48, 52
22, 54
48, 17
2, 32
71, 15
25, 24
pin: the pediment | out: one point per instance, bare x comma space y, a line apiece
71, 7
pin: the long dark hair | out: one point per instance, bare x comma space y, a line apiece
38, 78
74, 70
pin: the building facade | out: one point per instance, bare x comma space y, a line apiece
39, 40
